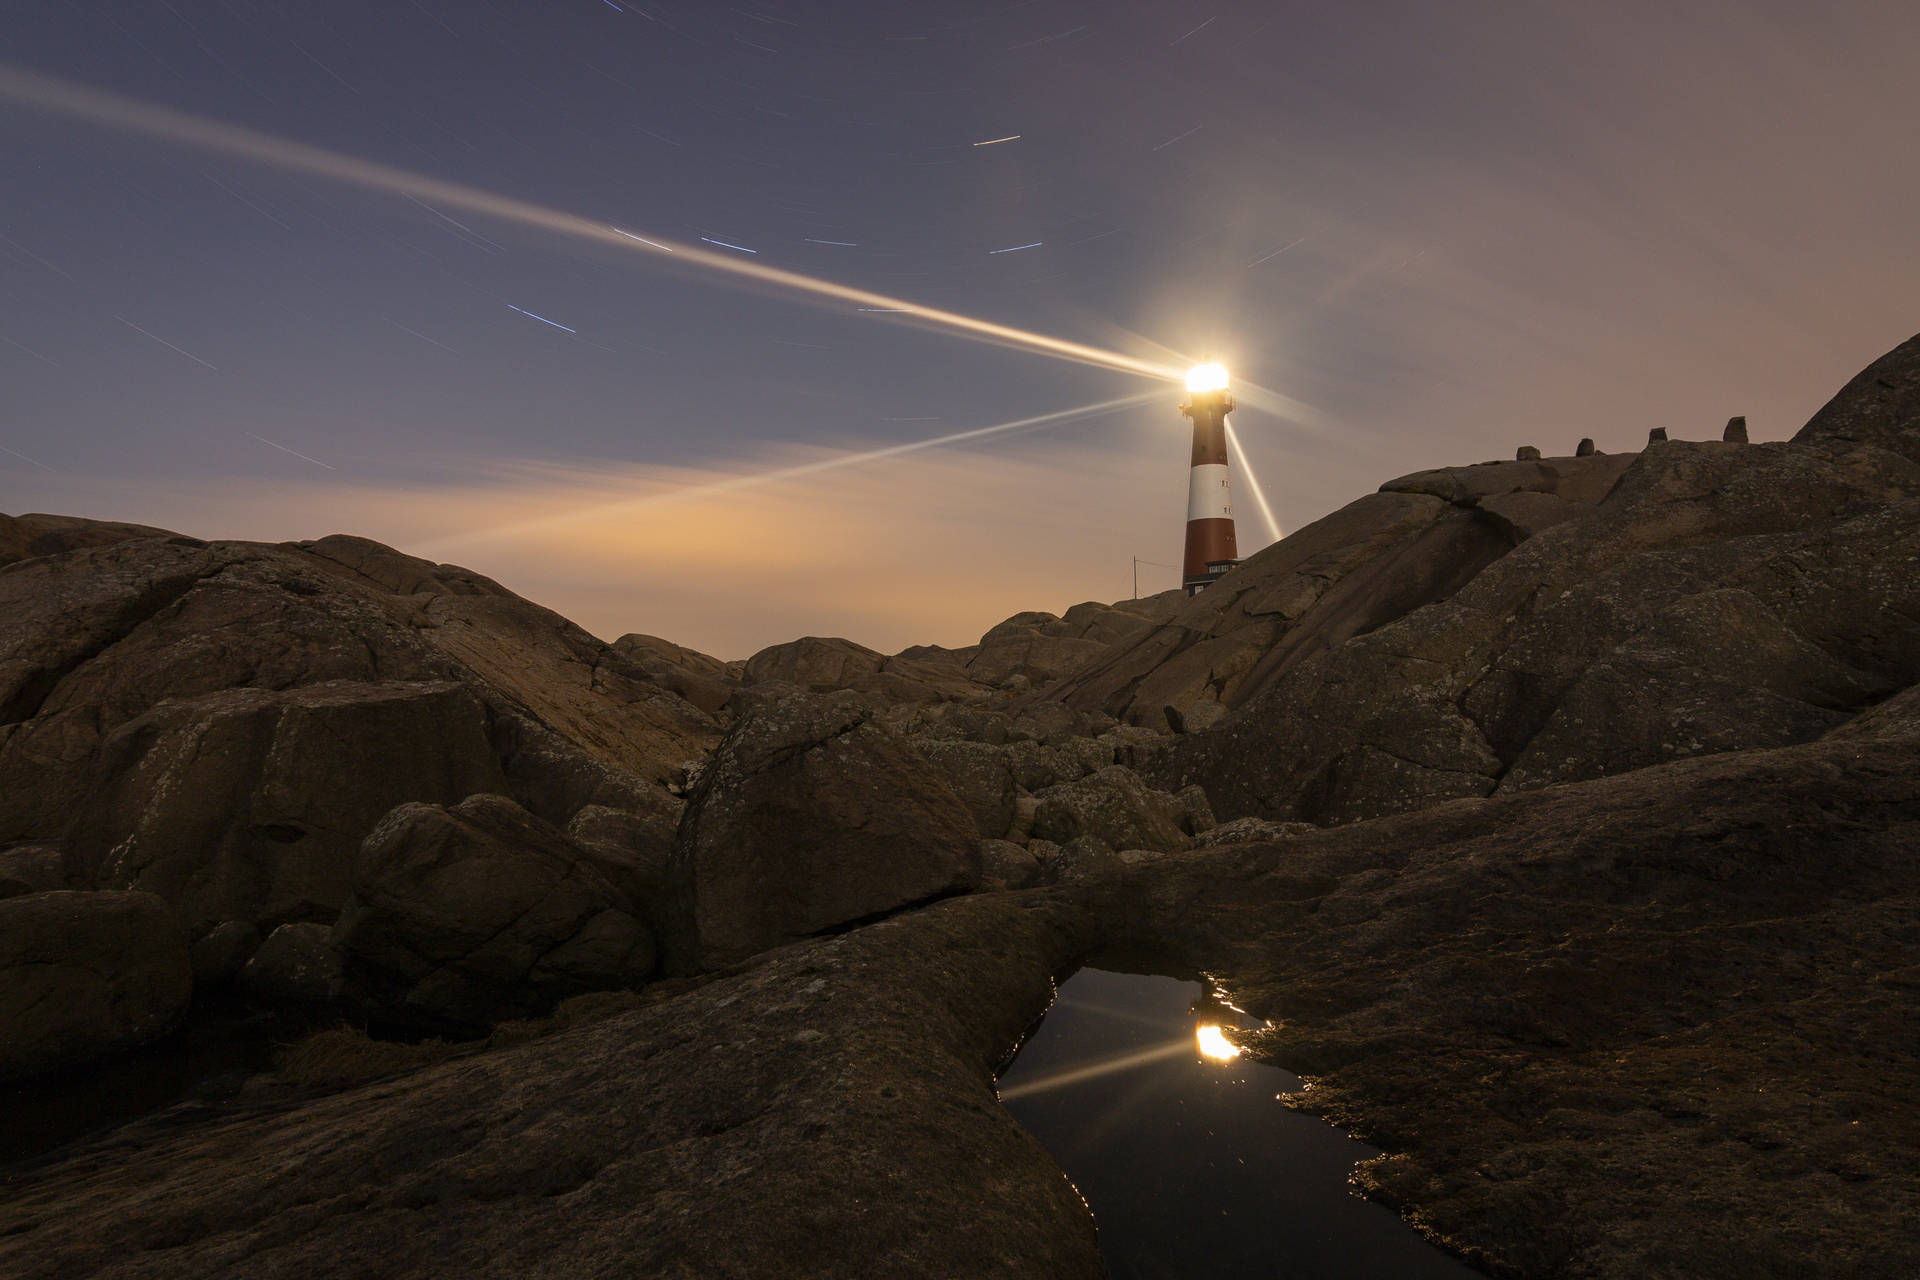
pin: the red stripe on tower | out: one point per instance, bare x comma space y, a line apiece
1211, 549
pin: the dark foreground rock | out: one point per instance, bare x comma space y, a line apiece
828, 1113
85, 974
466, 915
810, 816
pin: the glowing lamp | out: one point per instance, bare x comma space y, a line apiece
1207, 377
1211, 547
1213, 1043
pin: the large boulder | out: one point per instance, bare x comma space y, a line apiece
469, 914
810, 816
1113, 806
83, 975
250, 804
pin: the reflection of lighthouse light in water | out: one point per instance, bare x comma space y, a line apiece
1214, 1045
1190, 1162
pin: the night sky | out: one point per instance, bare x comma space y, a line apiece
1438, 231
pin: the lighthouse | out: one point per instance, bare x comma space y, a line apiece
1211, 550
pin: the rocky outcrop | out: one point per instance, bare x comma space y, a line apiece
466, 915
1878, 409
249, 804
1719, 597
1704, 597
1418, 540
86, 974
829, 1112
810, 816
95, 636
223, 723
31, 536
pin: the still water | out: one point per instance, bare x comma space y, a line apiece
1191, 1165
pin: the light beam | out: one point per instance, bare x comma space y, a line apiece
1253, 482
48, 93
1094, 1070
734, 483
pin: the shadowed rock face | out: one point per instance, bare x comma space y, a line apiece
463, 916
242, 805
86, 974
810, 816
827, 1113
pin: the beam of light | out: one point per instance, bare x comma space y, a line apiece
49, 93
542, 319
1094, 1070
295, 452
842, 244
994, 142
1253, 481
1018, 247
734, 483
725, 245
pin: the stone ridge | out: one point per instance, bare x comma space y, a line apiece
1880, 407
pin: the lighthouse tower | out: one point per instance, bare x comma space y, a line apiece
1211, 549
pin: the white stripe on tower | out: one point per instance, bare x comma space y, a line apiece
1207, 494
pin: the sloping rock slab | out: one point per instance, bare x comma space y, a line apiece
829, 1113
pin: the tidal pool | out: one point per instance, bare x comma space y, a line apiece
1188, 1160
